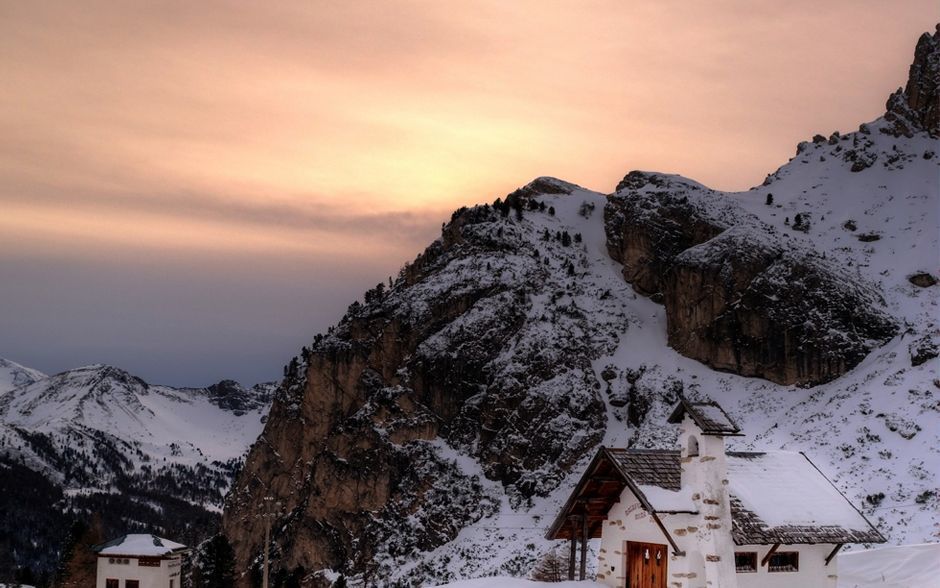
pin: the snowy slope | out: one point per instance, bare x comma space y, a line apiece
98, 440
13, 375
183, 426
873, 431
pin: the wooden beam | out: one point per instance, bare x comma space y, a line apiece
833, 553
662, 527
584, 539
766, 558
573, 552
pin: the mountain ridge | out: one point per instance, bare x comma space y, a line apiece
97, 439
513, 345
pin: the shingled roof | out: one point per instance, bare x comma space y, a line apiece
782, 497
776, 497
708, 415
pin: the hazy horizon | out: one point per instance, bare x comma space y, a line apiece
192, 192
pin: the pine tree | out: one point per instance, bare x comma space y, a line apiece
78, 563
216, 567
770, 199
551, 210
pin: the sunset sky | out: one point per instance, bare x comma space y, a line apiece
192, 190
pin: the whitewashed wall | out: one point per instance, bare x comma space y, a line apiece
149, 577
704, 537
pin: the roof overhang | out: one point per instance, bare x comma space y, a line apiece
599, 488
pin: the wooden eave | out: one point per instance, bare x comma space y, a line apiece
596, 492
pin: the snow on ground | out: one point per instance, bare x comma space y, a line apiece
874, 432
508, 582
906, 566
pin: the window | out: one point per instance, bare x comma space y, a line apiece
171, 583
131, 583
745, 561
693, 447
149, 562
111, 583
784, 561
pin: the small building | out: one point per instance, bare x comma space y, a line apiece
701, 516
139, 561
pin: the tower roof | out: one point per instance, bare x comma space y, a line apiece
708, 415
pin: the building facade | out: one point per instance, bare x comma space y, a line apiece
702, 517
139, 561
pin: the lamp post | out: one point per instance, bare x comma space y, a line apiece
269, 509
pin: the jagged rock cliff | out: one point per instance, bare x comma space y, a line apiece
740, 295
483, 343
916, 107
431, 433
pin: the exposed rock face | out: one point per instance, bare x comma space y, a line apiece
739, 296
917, 106
650, 220
481, 345
231, 396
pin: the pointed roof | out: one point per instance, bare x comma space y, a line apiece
139, 545
708, 415
776, 497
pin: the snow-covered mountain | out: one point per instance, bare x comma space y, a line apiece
435, 431
13, 375
102, 440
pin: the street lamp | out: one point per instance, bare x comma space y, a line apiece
269, 509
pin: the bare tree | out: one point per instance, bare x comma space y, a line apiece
552, 567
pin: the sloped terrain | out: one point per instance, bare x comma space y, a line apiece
436, 429
99, 440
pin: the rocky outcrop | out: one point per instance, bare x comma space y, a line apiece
748, 303
651, 218
739, 296
231, 396
916, 107
480, 353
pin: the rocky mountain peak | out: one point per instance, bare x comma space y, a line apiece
916, 107
232, 396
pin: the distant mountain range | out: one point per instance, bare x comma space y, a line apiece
98, 439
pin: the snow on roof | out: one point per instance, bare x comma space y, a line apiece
669, 501
139, 544
781, 497
709, 416
776, 497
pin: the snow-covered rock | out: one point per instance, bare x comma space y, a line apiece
13, 375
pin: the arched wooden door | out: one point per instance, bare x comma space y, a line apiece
647, 565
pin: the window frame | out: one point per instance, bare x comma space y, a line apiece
752, 556
793, 565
